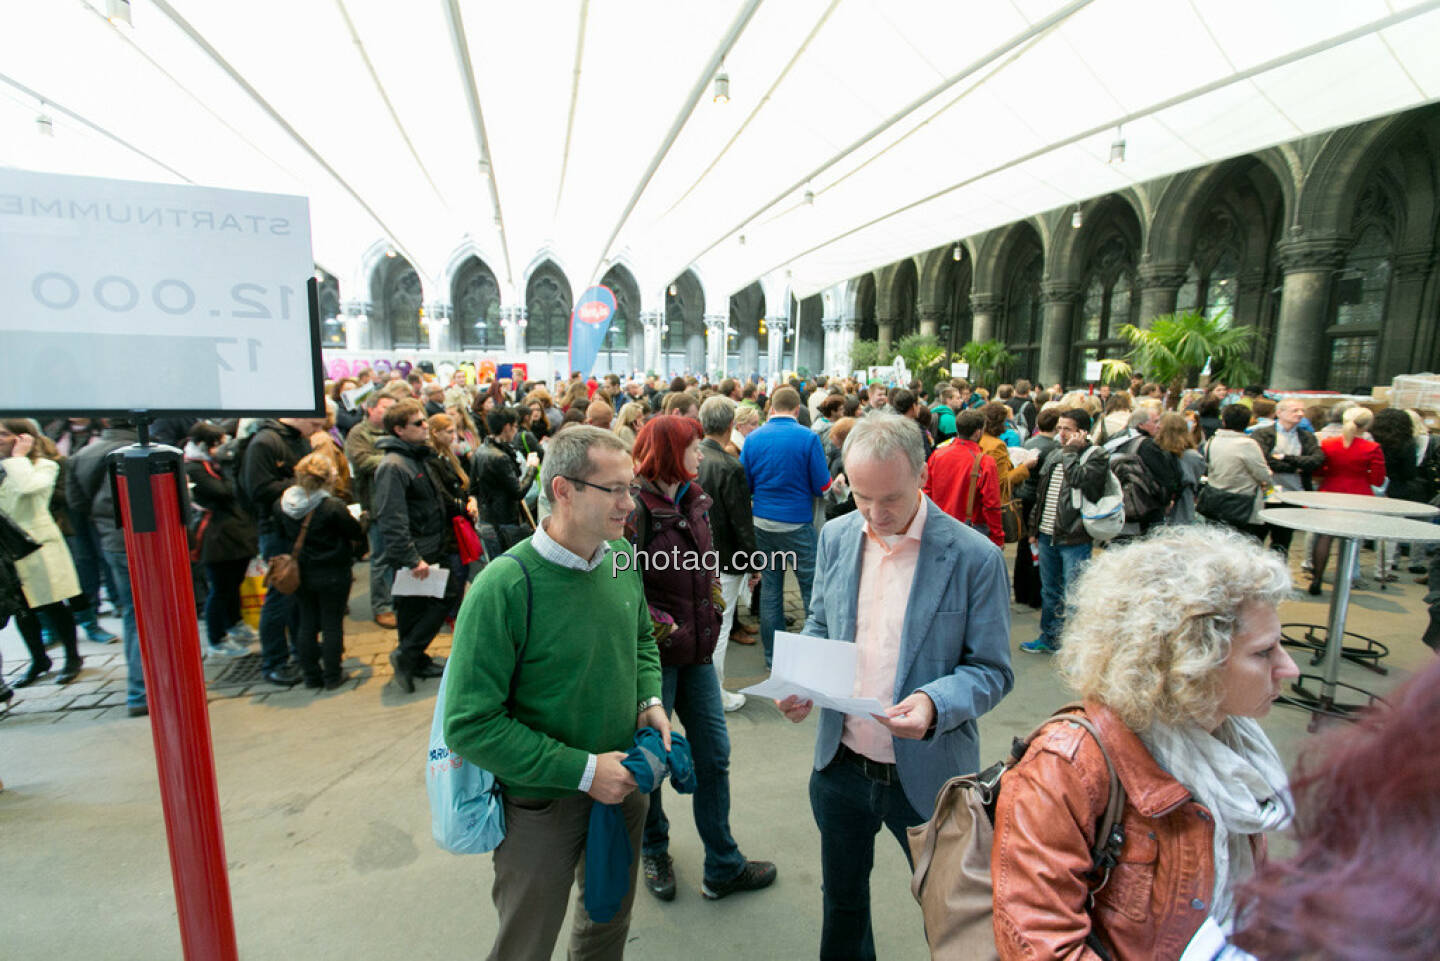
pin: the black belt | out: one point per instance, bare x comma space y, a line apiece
874, 770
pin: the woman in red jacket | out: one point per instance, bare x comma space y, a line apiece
1354, 464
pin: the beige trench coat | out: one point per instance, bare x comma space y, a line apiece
1236, 464
47, 575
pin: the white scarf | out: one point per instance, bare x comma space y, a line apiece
1237, 775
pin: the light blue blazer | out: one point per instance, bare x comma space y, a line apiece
954, 646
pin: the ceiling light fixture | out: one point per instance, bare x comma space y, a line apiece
1117, 149
389, 251
742, 240
722, 86
118, 12
1077, 219
674, 291
809, 197
955, 252
44, 125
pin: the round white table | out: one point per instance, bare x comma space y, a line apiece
1350, 527
1361, 503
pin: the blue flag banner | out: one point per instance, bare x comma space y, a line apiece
589, 323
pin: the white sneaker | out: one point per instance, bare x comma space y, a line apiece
227, 648
242, 633
731, 702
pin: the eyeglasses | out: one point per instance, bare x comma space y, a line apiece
416, 423
629, 490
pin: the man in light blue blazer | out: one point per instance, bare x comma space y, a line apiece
926, 601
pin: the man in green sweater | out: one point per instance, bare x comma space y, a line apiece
554, 668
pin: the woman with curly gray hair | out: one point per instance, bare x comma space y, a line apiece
1173, 642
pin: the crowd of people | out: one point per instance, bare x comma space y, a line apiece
890, 506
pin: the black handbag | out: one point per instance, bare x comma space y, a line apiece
1222, 506
15, 543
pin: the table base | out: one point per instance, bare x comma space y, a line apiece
1322, 705
1312, 637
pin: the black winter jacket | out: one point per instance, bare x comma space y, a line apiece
227, 532
269, 468
732, 526
408, 507
1062, 466
328, 553
497, 483
1310, 460
87, 487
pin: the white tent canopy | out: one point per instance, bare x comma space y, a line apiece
587, 132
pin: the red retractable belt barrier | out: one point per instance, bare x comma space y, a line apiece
148, 486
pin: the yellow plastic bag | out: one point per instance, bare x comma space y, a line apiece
252, 593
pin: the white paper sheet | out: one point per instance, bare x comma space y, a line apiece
815, 669
432, 585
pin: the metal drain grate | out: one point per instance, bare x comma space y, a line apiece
239, 670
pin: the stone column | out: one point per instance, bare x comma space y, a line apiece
886, 327
357, 324
749, 355
1059, 300
1401, 350
930, 317
652, 320
513, 321
1159, 289
984, 312
437, 318
776, 329
716, 331
1309, 266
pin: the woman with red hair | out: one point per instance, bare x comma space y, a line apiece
1362, 885
674, 553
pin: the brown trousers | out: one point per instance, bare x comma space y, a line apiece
542, 855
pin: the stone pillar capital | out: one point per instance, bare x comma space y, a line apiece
931, 312
1058, 292
1299, 253
1161, 276
984, 303
1412, 265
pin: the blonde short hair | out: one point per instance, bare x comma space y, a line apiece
1149, 623
746, 415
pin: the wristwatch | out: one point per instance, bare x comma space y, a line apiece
647, 704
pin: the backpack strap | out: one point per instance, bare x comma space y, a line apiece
974, 487
529, 606
1110, 836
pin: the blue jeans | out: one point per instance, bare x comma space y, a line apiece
279, 615
382, 575
850, 808
90, 567
772, 578
693, 692
119, 566
1059, 563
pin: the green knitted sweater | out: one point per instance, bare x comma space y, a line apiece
589, 660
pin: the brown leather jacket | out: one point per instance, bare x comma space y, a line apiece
1050, 807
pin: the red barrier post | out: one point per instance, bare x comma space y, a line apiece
147, 482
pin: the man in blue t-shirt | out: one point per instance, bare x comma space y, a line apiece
785, 466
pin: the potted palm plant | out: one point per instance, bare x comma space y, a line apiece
1177, 347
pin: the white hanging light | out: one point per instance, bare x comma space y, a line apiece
955, 252
118, 12
1117, 149
722, 87
1077, 219
44, 125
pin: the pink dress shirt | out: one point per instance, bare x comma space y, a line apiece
887, 568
